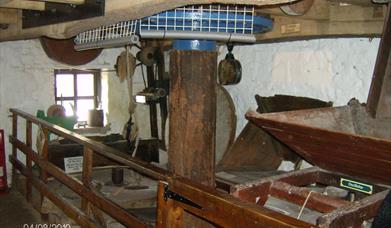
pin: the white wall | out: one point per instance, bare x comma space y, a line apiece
328, 69
333, 69
27, 83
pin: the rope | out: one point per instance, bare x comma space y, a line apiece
305, 202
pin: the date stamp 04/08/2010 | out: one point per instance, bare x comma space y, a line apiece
44, 225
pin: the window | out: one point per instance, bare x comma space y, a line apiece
77, 90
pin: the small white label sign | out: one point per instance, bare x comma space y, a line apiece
73, 164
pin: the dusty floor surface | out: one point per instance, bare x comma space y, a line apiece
16, 212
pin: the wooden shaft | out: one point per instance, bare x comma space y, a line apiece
192, 122
28, 160
193, 115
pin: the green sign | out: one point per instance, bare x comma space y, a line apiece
357, 186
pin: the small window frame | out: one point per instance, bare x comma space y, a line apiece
75, 72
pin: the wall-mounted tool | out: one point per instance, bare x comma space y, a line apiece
149, 95
230, 69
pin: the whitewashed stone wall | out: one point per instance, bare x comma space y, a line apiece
328, 69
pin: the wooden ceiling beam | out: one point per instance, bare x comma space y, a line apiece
23, 4
8, 16
73, 2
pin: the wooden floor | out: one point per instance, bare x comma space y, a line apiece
15, 211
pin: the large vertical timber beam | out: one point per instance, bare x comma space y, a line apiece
379, 98
193, 118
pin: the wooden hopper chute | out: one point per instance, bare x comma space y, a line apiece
342, 139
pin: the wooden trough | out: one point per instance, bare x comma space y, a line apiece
351, 152
342, 139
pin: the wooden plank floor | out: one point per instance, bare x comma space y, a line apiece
15, 211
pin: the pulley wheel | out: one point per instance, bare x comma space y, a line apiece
63, 51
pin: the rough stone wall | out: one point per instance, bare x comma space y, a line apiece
328, 69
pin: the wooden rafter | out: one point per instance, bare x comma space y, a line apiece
8, 16
326, 19
73, 2
23, 4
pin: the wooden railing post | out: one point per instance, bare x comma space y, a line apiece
14, 149
86, 176
28, 160
43, 174
89, 209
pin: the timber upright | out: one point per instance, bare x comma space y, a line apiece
193, 115
3, 169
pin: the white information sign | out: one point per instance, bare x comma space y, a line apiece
73, 164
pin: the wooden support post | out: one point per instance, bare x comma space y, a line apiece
379, 98
193, 117
28, 160
14, 149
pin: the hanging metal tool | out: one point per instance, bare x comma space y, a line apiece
230, 69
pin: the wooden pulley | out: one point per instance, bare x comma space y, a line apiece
297, 8
147, 56
230, 69
63, 51
121, 67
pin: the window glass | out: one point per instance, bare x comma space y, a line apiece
85, 85
64, 85
69, 106
83, 106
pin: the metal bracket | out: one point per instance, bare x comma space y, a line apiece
168, 194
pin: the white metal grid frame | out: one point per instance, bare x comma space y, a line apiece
212, 22
227, 23
118, 34
203, 18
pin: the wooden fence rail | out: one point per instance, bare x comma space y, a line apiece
216, 206
82, 188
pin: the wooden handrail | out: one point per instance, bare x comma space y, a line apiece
217, 207
75, 185
106, 151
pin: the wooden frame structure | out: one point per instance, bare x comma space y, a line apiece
82, 188
292, 187
212, 205
216, 205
